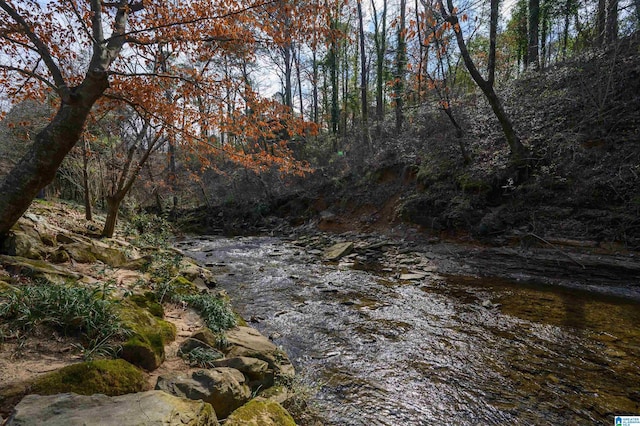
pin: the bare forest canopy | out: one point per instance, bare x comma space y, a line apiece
139, 94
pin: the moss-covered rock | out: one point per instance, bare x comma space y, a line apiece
148, 301
108, 376
260, 412
145, 348
80, 252
24, 240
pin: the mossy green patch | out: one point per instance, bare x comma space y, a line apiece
145, 348
148, 301
183, 286
108, 376
260, 412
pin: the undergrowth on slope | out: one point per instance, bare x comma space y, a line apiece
74, 311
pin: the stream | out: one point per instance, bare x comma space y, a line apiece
377, 347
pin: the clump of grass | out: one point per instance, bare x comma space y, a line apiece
74, 311
214, 311
202, 357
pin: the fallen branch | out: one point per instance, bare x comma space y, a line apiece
557, 249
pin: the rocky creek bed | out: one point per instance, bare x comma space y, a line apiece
396, 332
106, 332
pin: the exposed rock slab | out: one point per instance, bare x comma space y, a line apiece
224, 388
339, 250
248, 342
145, 408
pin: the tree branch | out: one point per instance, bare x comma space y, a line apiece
196, 20
30, 74
42, 49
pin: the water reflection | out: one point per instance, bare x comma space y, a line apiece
456, 351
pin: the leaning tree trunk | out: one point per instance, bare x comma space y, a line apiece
39, 165
517, 149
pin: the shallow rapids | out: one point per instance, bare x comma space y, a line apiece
378, 350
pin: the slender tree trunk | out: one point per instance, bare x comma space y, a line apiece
366, 141
85, 180
466, 158
544, 18
288, 70
401, 64
315, 66
333, 70
601, 19
611, 32
518, 151
299, 80
565, 32
380, 39
534, 21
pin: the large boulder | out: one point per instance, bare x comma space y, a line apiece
260, 412
85, 250
248, 342
24, 241
223, 388
145, 408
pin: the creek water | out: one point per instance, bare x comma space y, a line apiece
451, 349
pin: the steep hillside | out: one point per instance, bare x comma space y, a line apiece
580, 120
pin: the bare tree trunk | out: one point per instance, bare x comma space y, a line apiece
401, 63
534, 21
113, 207
601, 17
299, 80
611, 32
380, 39
466, 158
85, 180
366, 141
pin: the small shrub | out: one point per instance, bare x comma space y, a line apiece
149, 230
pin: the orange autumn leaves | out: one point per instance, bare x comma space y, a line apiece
179, 67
